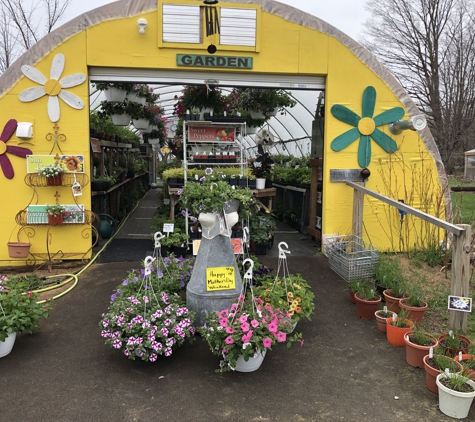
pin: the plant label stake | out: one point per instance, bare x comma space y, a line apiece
431, 353
385, 308
447, 372
146, 264
394, 317
451, 334
460, 356
76, 188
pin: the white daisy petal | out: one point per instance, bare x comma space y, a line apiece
31, 94
33, 75
71, 100
72, 80
57, 66
53, 108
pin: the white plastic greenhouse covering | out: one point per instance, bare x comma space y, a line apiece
292, 130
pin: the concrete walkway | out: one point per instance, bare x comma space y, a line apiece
345, 371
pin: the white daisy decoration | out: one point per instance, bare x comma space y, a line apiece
53, 87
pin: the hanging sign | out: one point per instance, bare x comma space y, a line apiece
69, 163
220, 278
211, 134
462, 304
95, 145
202, 60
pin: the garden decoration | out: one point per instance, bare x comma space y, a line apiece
8, 130
365, 127
54, 87
143, 321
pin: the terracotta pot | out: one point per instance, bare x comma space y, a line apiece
395, 335
381, 321
392, 302
471, 372
415, 353
352, 297
366, 308
452, 352
55, 180
431, 374
415, 313
18, 249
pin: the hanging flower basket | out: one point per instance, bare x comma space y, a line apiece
18, 249
115, 94
120, 119
141, 124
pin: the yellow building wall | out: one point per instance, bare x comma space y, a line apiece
116, 43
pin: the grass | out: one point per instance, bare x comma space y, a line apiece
463, 204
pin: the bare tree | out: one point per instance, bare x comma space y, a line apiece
429, 45
23, 23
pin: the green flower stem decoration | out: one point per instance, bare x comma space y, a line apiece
365, 127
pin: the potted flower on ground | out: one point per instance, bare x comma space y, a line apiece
55, 214
382, 315
453, 343
418, 343
242, 335
468, 363
394, 295
53, 174
19, 312
436, 363
456, 393
367, 300
414, 305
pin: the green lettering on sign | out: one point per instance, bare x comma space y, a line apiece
197, 60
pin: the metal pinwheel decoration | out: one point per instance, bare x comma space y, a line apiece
8, 131
365, 127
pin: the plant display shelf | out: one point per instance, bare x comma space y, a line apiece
351, 258
34, 180
25, 218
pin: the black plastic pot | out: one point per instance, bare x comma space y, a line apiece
261, 249
180, 251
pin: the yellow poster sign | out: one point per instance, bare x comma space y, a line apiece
220, 278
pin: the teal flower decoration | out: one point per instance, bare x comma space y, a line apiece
365, 127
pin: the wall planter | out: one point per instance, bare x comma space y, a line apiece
7, 345
55, 180
452, 351
366, 308
453, 403
415, 313
120, 119
468, 363
18, 249
432, 372
395, 335
415, 352
55, 220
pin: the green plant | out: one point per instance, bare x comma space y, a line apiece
420, 337
50, 170
261, 227
19, 310
457, 382
197, 97
401, 320
54, 209
453, 341
354, 285
468, 363
102, 86
260, 99
177, 238
291, 294
416, 295
442, 362
388, 271
25, 283
366, 291
385, 314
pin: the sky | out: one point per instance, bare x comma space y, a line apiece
346, 15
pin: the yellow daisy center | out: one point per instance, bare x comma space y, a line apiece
52, 87
3, 148
366, 126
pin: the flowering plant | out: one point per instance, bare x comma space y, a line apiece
210, 194
199, 97
250, 327
143, 323
102, 86
19, 310
50, 170
260, 99
54, 209
291, 294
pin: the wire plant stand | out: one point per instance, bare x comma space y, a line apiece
352, 258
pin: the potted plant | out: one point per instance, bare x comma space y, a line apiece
394, 295
382, 316
199, 97
436, 363
397, 327
55, 214
291, 294
242, 335
144, 322
261, 230
138, 93
418, 343
261, 169
456, 393
53, 174
176, 242
414, 304
387, 272
468, 363
353, 286
453, 343
367, 301
19, 312
114, 91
